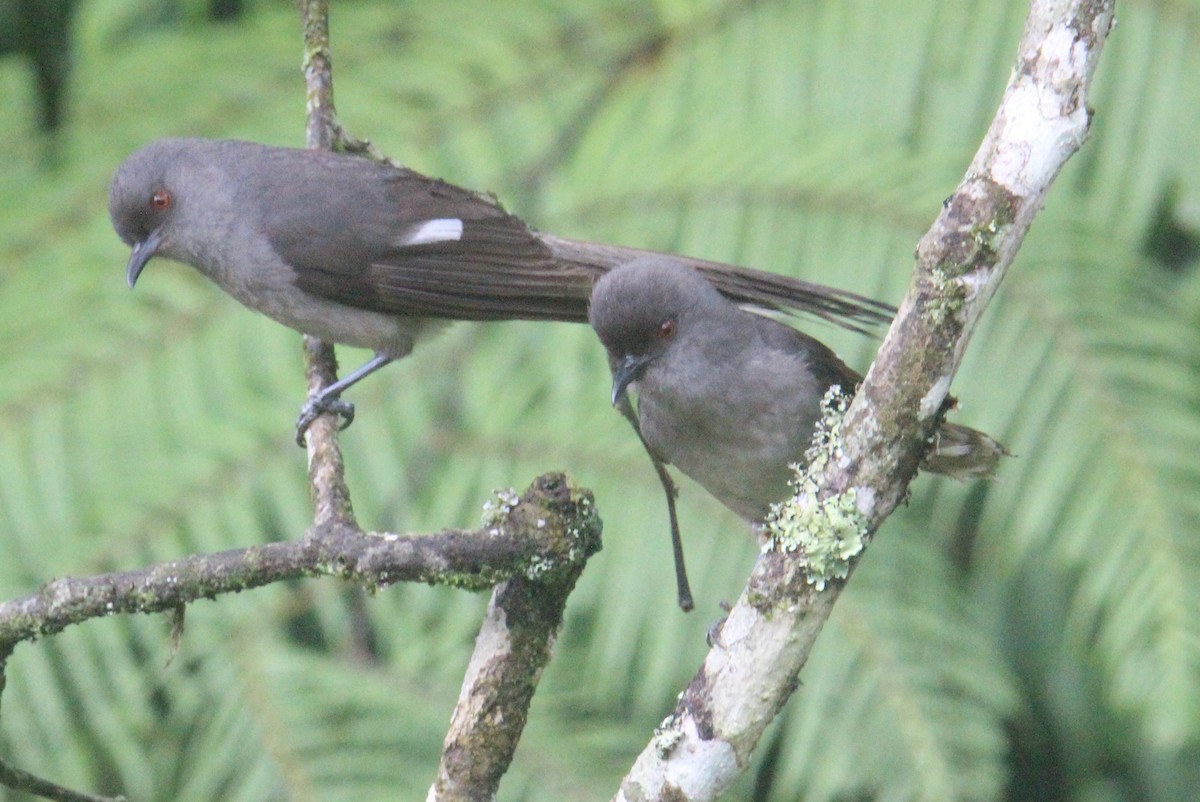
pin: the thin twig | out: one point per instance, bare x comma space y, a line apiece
18, 780
523, 617
326, 472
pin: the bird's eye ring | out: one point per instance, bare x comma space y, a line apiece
666, 329
161, 200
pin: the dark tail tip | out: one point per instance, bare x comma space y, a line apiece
963, 453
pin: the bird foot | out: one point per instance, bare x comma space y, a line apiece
318, 405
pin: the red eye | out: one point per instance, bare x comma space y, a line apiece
666, 329
161, 200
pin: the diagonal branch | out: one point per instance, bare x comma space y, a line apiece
754, 666
513, 646
535, 546
12, 777
525, 612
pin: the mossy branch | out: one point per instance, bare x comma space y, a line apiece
755, 662
549, 531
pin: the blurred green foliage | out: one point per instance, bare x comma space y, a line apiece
1032, 638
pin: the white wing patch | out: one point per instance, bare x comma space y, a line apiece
443, 229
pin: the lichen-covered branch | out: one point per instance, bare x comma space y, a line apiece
755, 662
551, 528
525, 612
513, 646
536, 545
322, 130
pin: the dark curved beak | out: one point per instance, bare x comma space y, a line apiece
626, 370
142, 253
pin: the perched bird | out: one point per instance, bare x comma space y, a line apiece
729, 396
373, 255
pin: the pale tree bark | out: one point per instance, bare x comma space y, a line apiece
754, 666
535, 545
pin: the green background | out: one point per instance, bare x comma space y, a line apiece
1032, 638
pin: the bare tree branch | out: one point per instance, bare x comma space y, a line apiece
754, 666
326, 472
550, 527
524, 613
535, 545
18, 780
513, 647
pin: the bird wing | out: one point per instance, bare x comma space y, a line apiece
394, 241
420, 246
496, 270
826, 366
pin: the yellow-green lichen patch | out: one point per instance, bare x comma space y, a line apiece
827, 532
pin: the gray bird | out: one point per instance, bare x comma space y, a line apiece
375, 255
729, 396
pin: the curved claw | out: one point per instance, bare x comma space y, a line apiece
344, 410
316, 407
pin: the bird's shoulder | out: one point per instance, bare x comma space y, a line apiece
820, 359
415, 196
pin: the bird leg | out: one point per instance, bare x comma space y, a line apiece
683, 589
329, 399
